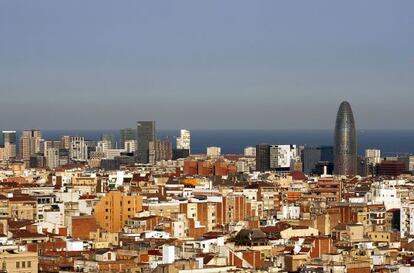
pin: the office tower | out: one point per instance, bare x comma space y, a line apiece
184, 141
312, 156
213, 151
30, 142
109, 140
37, 161
65, 142
52, 157
262, 157
180, 153
345, 143
160, 150
130, 146
145, 134
9, 143
250, 151
163, 150
78, 149
102, 146
127, 134
51, 144
391, 168
282, 157
408, 161
372, 159
373, 156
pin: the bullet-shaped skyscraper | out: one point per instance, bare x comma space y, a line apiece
345, 143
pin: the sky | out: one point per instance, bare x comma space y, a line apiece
213, 64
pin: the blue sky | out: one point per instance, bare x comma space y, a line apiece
205, 64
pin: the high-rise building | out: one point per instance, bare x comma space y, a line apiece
127, 134
30, 143
213, 151
130, 146
102, 146
180, 153
282, 157
52, 157
145, 134
9, 143
65, 142
250, 151
184, 141
373, 156
160, 150
109, 140
78, 149
312, 156
262, 157
345, 142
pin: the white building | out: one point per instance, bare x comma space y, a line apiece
373, 156
213, 151
168, 254
184, 141
282, 156
102, 146
112, 153
130, 146
385, 193
78, 149
250, 151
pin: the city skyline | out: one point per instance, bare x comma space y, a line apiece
117, 63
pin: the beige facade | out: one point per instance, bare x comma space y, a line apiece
115, 208
23, 262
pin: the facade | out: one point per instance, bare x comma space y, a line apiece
127, 134
345, 142
145, 134
160, 150
114, 210
19, 262
250, 151
65, 142
373, 156
184, 141
130, 146
262, 157
282, 157
78, 149
9, 143
109, 140
391, 168
408, 161
29, 144
180, 153
52, 157
213, 151
314, 155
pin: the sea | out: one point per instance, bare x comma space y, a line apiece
390, 142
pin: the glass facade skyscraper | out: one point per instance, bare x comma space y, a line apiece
145, 134
345, 142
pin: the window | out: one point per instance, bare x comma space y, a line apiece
17, 264
23, 264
